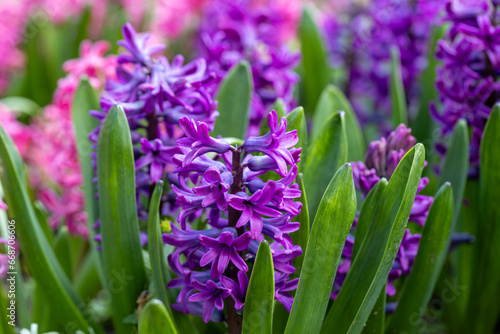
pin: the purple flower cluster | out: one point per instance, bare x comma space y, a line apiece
232, 31
360, 41
381, 160
228, 189
467, 80
155, 95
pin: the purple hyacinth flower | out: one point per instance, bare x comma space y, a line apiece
238, 291
198, 140
486, 37
254, 207
281, 293
157, 156
223, 250
187, 238
212, 295
276, 143
136, 45
282, 257
215, 187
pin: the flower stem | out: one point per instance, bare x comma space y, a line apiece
234, 320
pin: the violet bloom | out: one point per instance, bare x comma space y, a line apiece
382, 158
232, 31
467, 80
360, 38
223, 250
155, 94
216, 188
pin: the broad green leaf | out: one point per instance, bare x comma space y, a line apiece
456, 166
314, 62
422, 126
331, 101
121, 248
483, 309
398, 96
325, 155
376, 321
160, 273
366, 214
86, 99
301, 237
87, 281
38, 254
62, 248
155, 319
259, 302
328, 235
432, 251
375, 324
6, 326
370, 268
21, 106
296, 120
234, 97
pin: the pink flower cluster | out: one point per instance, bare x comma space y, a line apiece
55, 168
12, 25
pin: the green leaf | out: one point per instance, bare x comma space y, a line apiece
87, 280
155, 319
422, 126
456, 166
234, 98
370, 268
375, 323
326, 153
62, 248
38, 254
367, 213
398, 96
432, 251
331, 101
314, 62
121, 247
483, 309
161, 275
301, 237
328, 235
86, 99
296, 120
259, 302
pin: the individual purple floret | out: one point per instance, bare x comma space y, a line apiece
240, 207
467, 80
360, 41
232, 31
382, 158
155, 95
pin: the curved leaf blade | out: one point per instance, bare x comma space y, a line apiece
483, 309
314, 62
259, 302
121, 248
370, 269
161, 275
234, 98
39, 255
398, 95
331, 101
328, 235
325, 156
432, 251
155, 319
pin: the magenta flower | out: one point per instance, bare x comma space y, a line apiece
276, 143
223, 250
156, 155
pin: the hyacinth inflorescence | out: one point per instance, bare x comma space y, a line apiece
381, 160
467, 81
232, 31
361, 39
228, 187
155, 95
